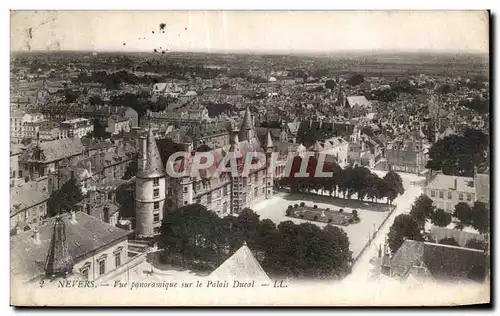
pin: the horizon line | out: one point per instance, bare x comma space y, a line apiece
264, 52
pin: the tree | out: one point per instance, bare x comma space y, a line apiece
131, 170
308, 251
242, 228
330, 84
459, 154
125, 196
100, 130
422, 209
65, 199
449, 241
475, 244
355, 80
480, 217
195, 233
403, 227
464, 213
440, 218
394, 185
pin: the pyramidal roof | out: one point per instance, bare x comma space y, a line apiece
150, 164
242, 265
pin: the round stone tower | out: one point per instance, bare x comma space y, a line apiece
149, 188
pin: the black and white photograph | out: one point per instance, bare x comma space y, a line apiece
250, 158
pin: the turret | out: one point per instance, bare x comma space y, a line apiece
246, 130
149, 188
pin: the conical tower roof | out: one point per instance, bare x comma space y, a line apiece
246, 125
269, 140
150, 164
59, 261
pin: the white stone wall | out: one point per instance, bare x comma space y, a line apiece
107, 254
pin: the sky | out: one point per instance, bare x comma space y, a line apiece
252, 31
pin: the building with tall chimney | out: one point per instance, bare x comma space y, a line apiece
149, 188
71, 245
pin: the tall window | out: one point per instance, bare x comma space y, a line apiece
156, 182
449, 195
255, 192
156, 217
224, 190
156, 193
469, 197
102, 266
441, 194
118, 259
156, 205
433, 193
209, 197
461, 196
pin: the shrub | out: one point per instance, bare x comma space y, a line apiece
316, 218
350, 221
290, 207
301, 215
288, 212
315, 206
327, 209
302, 204
296, 206
355, 213
329, 220
341, 210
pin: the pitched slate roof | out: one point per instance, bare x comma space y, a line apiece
54, 150
84, 235
445, 182
443, 262
242, 265
26, 196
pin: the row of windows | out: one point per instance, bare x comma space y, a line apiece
449, 195
102, 265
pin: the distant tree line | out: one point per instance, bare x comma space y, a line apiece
346, 182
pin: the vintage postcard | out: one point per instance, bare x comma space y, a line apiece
249, 158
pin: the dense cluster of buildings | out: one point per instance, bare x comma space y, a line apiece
52, 142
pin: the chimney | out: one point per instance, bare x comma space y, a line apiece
72, 216
455, 184
88, 208
106, 213
36, 236
89, 166
92, 195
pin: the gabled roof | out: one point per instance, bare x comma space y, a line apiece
85, 235
55, 150
443, 262
242, 265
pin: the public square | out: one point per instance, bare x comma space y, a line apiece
372, 214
